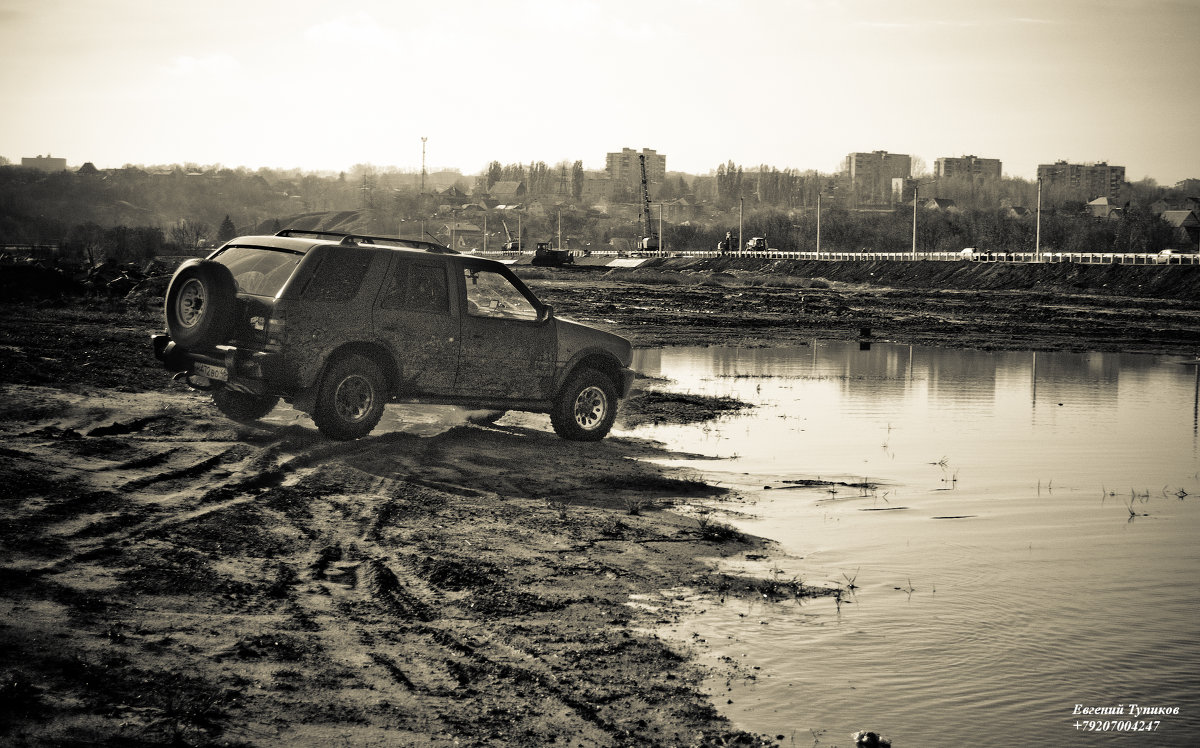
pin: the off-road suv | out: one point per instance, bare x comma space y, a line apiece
339, 324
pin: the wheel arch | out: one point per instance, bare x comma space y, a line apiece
600, 361
373, 351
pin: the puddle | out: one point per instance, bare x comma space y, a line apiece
1019, 529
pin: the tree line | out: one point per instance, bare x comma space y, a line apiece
132, 213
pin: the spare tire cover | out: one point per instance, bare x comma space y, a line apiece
201, 304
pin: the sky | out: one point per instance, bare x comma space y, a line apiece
787, 83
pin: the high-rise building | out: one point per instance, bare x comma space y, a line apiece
871, 175
967, 166
1096, 180
624, 168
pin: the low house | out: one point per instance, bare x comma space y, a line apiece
454, 196
507, 192
1102, 207
1185, 227
941, 204
1162, 205
681, 209
461, 235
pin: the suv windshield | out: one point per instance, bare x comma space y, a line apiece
258, 270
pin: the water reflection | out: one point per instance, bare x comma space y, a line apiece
1068, 577
1029, 410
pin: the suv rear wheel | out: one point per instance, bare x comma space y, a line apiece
351, 398
241, 407
201, 303
586, 407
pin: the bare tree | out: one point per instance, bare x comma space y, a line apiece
190, 234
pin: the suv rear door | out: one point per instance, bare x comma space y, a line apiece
415, 315
508, 347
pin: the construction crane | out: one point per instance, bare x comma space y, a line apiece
649, 238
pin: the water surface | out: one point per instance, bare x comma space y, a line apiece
1027, 541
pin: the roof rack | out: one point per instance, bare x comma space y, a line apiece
391, 241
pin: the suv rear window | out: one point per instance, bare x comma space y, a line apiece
258, 270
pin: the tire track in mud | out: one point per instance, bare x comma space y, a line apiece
151, 485
450, 664
352, 584
355, 566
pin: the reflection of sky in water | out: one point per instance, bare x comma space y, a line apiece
831, 409
1045, 595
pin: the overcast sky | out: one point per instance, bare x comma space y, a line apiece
787, 83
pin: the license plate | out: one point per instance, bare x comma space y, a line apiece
212, 372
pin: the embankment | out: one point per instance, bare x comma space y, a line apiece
1180, 282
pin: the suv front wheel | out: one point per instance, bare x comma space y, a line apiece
586, 407
351, 398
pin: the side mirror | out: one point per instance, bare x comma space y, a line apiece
546, 313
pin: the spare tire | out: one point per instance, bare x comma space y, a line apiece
201, 304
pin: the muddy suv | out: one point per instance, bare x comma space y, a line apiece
337, 325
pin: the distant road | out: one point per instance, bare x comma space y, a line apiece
612, 257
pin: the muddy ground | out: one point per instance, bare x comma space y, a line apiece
990, 306
174, 578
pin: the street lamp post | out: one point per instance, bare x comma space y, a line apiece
662, 244
1037, 241
916, 199
916, 194
818, 225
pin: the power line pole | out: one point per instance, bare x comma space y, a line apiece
741, 215
818, 224
423, 139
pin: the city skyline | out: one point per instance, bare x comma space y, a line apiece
796, 85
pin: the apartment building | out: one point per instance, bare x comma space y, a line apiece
871, 175
624, 168
967, 166
1097, 180
46, 163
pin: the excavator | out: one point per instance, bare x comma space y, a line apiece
649, 237
510, 244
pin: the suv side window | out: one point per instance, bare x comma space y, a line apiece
490, 294
339, 276
418, 286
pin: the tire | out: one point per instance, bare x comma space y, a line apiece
201, 304
586, 407
241, 407
351, 398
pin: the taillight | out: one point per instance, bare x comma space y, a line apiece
277, 328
